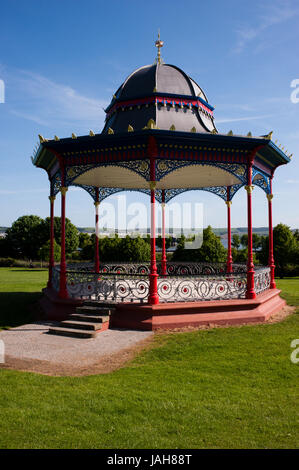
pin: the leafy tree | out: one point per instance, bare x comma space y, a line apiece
256, 241
44, 251
167, 242
236, 242
84, 239
134, 249
24, 237
211, 250
244, 240
71, 233
285, 249
118, 249
296, 234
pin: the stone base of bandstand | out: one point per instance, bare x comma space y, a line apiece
57, 309
175, 315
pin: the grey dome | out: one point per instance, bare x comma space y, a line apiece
163, 93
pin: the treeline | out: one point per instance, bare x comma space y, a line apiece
28, 239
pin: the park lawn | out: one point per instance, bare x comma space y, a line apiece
221, 388
19, 289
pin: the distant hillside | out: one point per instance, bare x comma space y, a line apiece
218, 231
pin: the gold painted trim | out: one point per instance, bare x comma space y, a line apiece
152, 185
249, 188
63, 190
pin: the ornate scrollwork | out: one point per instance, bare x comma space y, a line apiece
261, 279
190, 289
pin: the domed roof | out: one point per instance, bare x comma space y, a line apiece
165, 95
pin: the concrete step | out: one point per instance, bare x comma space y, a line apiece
57, 330
95, 303
81, 325
99, 318
88, 310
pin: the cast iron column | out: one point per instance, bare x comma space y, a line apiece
62, 284
97, 257
51, 254
250, 293
229, 262
163, 259
271, 257
153, 297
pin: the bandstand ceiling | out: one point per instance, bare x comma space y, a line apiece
197, 176
193, 176
112, 177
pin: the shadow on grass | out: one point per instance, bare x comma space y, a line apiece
31, 270
18, 308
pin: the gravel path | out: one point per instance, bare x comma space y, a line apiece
29, 347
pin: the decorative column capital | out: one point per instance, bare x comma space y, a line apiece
249, 188
152, 185
52, 198
63, 190
97, 203
163, 204
269, 197
228, 203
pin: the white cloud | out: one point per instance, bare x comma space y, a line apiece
274, 13
247, 118
39, 99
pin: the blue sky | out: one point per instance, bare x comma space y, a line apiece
61, 61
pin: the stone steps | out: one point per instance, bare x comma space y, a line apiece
82, 325
87, 310
72, 332
89, 319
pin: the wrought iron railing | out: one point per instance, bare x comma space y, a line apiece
174, 268
122, 286
261, 279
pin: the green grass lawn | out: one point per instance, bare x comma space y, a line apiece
19, 289
219, 388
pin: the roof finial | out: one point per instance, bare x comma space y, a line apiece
159, 44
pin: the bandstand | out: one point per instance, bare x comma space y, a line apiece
160, 138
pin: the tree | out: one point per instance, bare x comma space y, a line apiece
211, 250
71, 233
134, 249
244, 240
84, 239
256, 241
44, 251
285, 249
167, 242
236, 242
118, 249
24, 237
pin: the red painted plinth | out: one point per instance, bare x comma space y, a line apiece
56, 308
178, 315
174, 315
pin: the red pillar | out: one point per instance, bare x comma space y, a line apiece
271, 257
153, 297
163, 259
51, 254
250, 293
229, 262
97, 257
62, 285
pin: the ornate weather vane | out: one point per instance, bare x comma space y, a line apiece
159, 44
